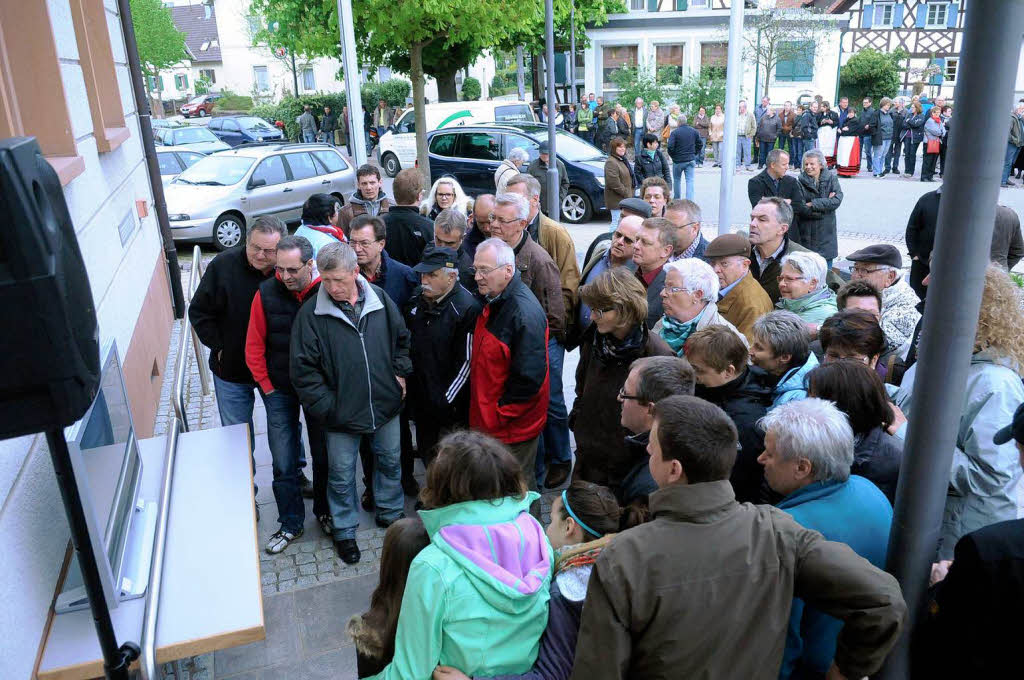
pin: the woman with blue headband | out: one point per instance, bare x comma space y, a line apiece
583, 520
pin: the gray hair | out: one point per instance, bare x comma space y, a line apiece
697, 275
814, 429
683, 205
503, 253
682, 119
336, 256
815, 153
518, 154
300, 243
531, 182
775, 154
267, 224
521, 204
810, 266
785, 332
450, 221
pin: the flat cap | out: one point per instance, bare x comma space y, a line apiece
878, 254
727, 245
436, 258
637, 206
544, 147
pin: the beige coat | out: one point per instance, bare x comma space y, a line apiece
717, 133
745, 304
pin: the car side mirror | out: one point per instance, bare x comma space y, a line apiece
257, 183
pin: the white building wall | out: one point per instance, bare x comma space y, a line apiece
32, 519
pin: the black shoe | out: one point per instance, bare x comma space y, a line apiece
557, 474
410, 487
347, 549
883, 173
326, 525
385, 523
305, 486
367, 500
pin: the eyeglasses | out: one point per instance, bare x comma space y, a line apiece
501, 221
290, 271
789, 279
362, 244
673, 290
256, 250
688, 224
484, 271
622, 237
598, 313
440, 194
866, 270
624, 397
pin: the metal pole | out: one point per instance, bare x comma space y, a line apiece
734, 76
992, 30
295, 74
549, 69
520, 77
572, 53
350, 65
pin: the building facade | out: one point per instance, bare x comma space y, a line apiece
86, 123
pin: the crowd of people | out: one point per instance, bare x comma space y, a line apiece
739, 420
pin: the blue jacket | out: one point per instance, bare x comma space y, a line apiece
793, 384
853, 512
397, 280
684, 144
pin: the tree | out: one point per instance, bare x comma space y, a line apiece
471, 89
704, 89
771, 36
870, 73
632, 82
161, 44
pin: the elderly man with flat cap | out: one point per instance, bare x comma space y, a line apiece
741, 299
539, 169
881, 266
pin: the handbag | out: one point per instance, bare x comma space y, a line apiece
933, 146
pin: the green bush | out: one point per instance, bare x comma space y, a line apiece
498, 82
471, 89
230, 101
704, 89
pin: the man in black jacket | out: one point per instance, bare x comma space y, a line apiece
408, 232
920, 237
327, 126
450, 228
349, 363
899, 115
441, 325
773, 181
220, 314
869, 128
684, 145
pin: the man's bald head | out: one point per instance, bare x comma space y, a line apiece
483, 207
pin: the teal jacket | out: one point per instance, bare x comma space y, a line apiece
477, 596
813, 308
793, 384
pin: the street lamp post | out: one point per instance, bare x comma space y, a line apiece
572, 53
732, 105
549, 39
350, 65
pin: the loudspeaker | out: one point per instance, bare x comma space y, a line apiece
49, 338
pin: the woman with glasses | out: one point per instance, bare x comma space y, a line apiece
823, 196
444, 194
688, 298
617, 337
803, 290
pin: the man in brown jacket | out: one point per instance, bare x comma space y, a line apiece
369, 197
741, 299
704, 589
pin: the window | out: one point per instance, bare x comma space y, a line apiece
798, 64
479, 146
614, 58
669, 63
531, 147
637, 5
308, 81
302, 166
261, 78
208, 74
513, 113
952, 64
936, 15
330, 161
97, 59
884, 15
230, 125
216, 124
698, 4
271, 170
714, 55
181, 81
189, 158
443, 145
168, 164
407, 125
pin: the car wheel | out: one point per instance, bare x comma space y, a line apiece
202, 113
227, 231
576, 207
391, 164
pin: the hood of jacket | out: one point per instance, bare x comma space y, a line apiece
812, 306
325, 303
575, 564
499, 545
372, 207
792, 385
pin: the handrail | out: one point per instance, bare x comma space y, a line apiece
147, 657
198, 270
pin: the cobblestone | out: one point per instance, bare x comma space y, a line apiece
307, 569
304, 558
268, 577
285, 574
284, 586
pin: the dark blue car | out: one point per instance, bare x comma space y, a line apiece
236, 130
472, 153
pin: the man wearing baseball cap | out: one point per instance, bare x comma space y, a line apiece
978, 596
741, 299
881, 266
441, 322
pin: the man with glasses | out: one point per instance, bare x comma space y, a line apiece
267, 353
618, 254
686, 215
741, 299
881, 266
508, 375
655, 243
219, 312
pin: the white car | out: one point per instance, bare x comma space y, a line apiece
215, 199
195, 138
172, 161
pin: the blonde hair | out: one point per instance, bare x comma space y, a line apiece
619, 289
1001, 321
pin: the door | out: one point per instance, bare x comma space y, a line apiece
442, 155
305, 181
231, 133
333, 178
404, 139
272, 197
479, 154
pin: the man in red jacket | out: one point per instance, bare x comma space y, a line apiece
267, 343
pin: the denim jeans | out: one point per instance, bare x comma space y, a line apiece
308, 137
743, 151
553, 445
717, 146
616, 216
867, 150
638, 142
318, 452
892, 161
235, 402
342, 458
762, 153
678, 170
1011, 156
879, 154
796, 150
284, 435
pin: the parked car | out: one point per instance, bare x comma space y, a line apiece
195, 138
235, 130
201, 105
216, 198
173, 160
472, 153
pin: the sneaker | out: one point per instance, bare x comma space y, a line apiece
305, 486
347, 549
385, 523
280, 540
907, 176
326, 525
883, 173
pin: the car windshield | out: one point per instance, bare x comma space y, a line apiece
253, 123
193, 136
197, 100
572, 148
216, 170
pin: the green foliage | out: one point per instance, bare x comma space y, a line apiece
202, 85
471, 89
498, 82
230, 101
161, 45
632, 82
872, 73
704, 89
530, 33
778, 34
394, 92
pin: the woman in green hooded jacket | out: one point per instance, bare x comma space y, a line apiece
803, 289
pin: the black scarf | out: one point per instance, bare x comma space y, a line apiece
608, 348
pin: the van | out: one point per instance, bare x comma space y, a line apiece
397, 148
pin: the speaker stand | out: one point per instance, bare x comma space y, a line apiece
116, 660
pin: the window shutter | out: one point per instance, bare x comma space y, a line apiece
682, 5
951, 13
922, 16
652, 5
897, 15
868, 15
184, 79
804, 67
940, 76
784, 69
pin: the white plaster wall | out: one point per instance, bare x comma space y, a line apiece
32, 516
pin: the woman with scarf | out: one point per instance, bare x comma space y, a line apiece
803, 289
823, 196
848, 146
828, 122
689, 295
320, 223
671, 122
583, 519
570, 121
616, 338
